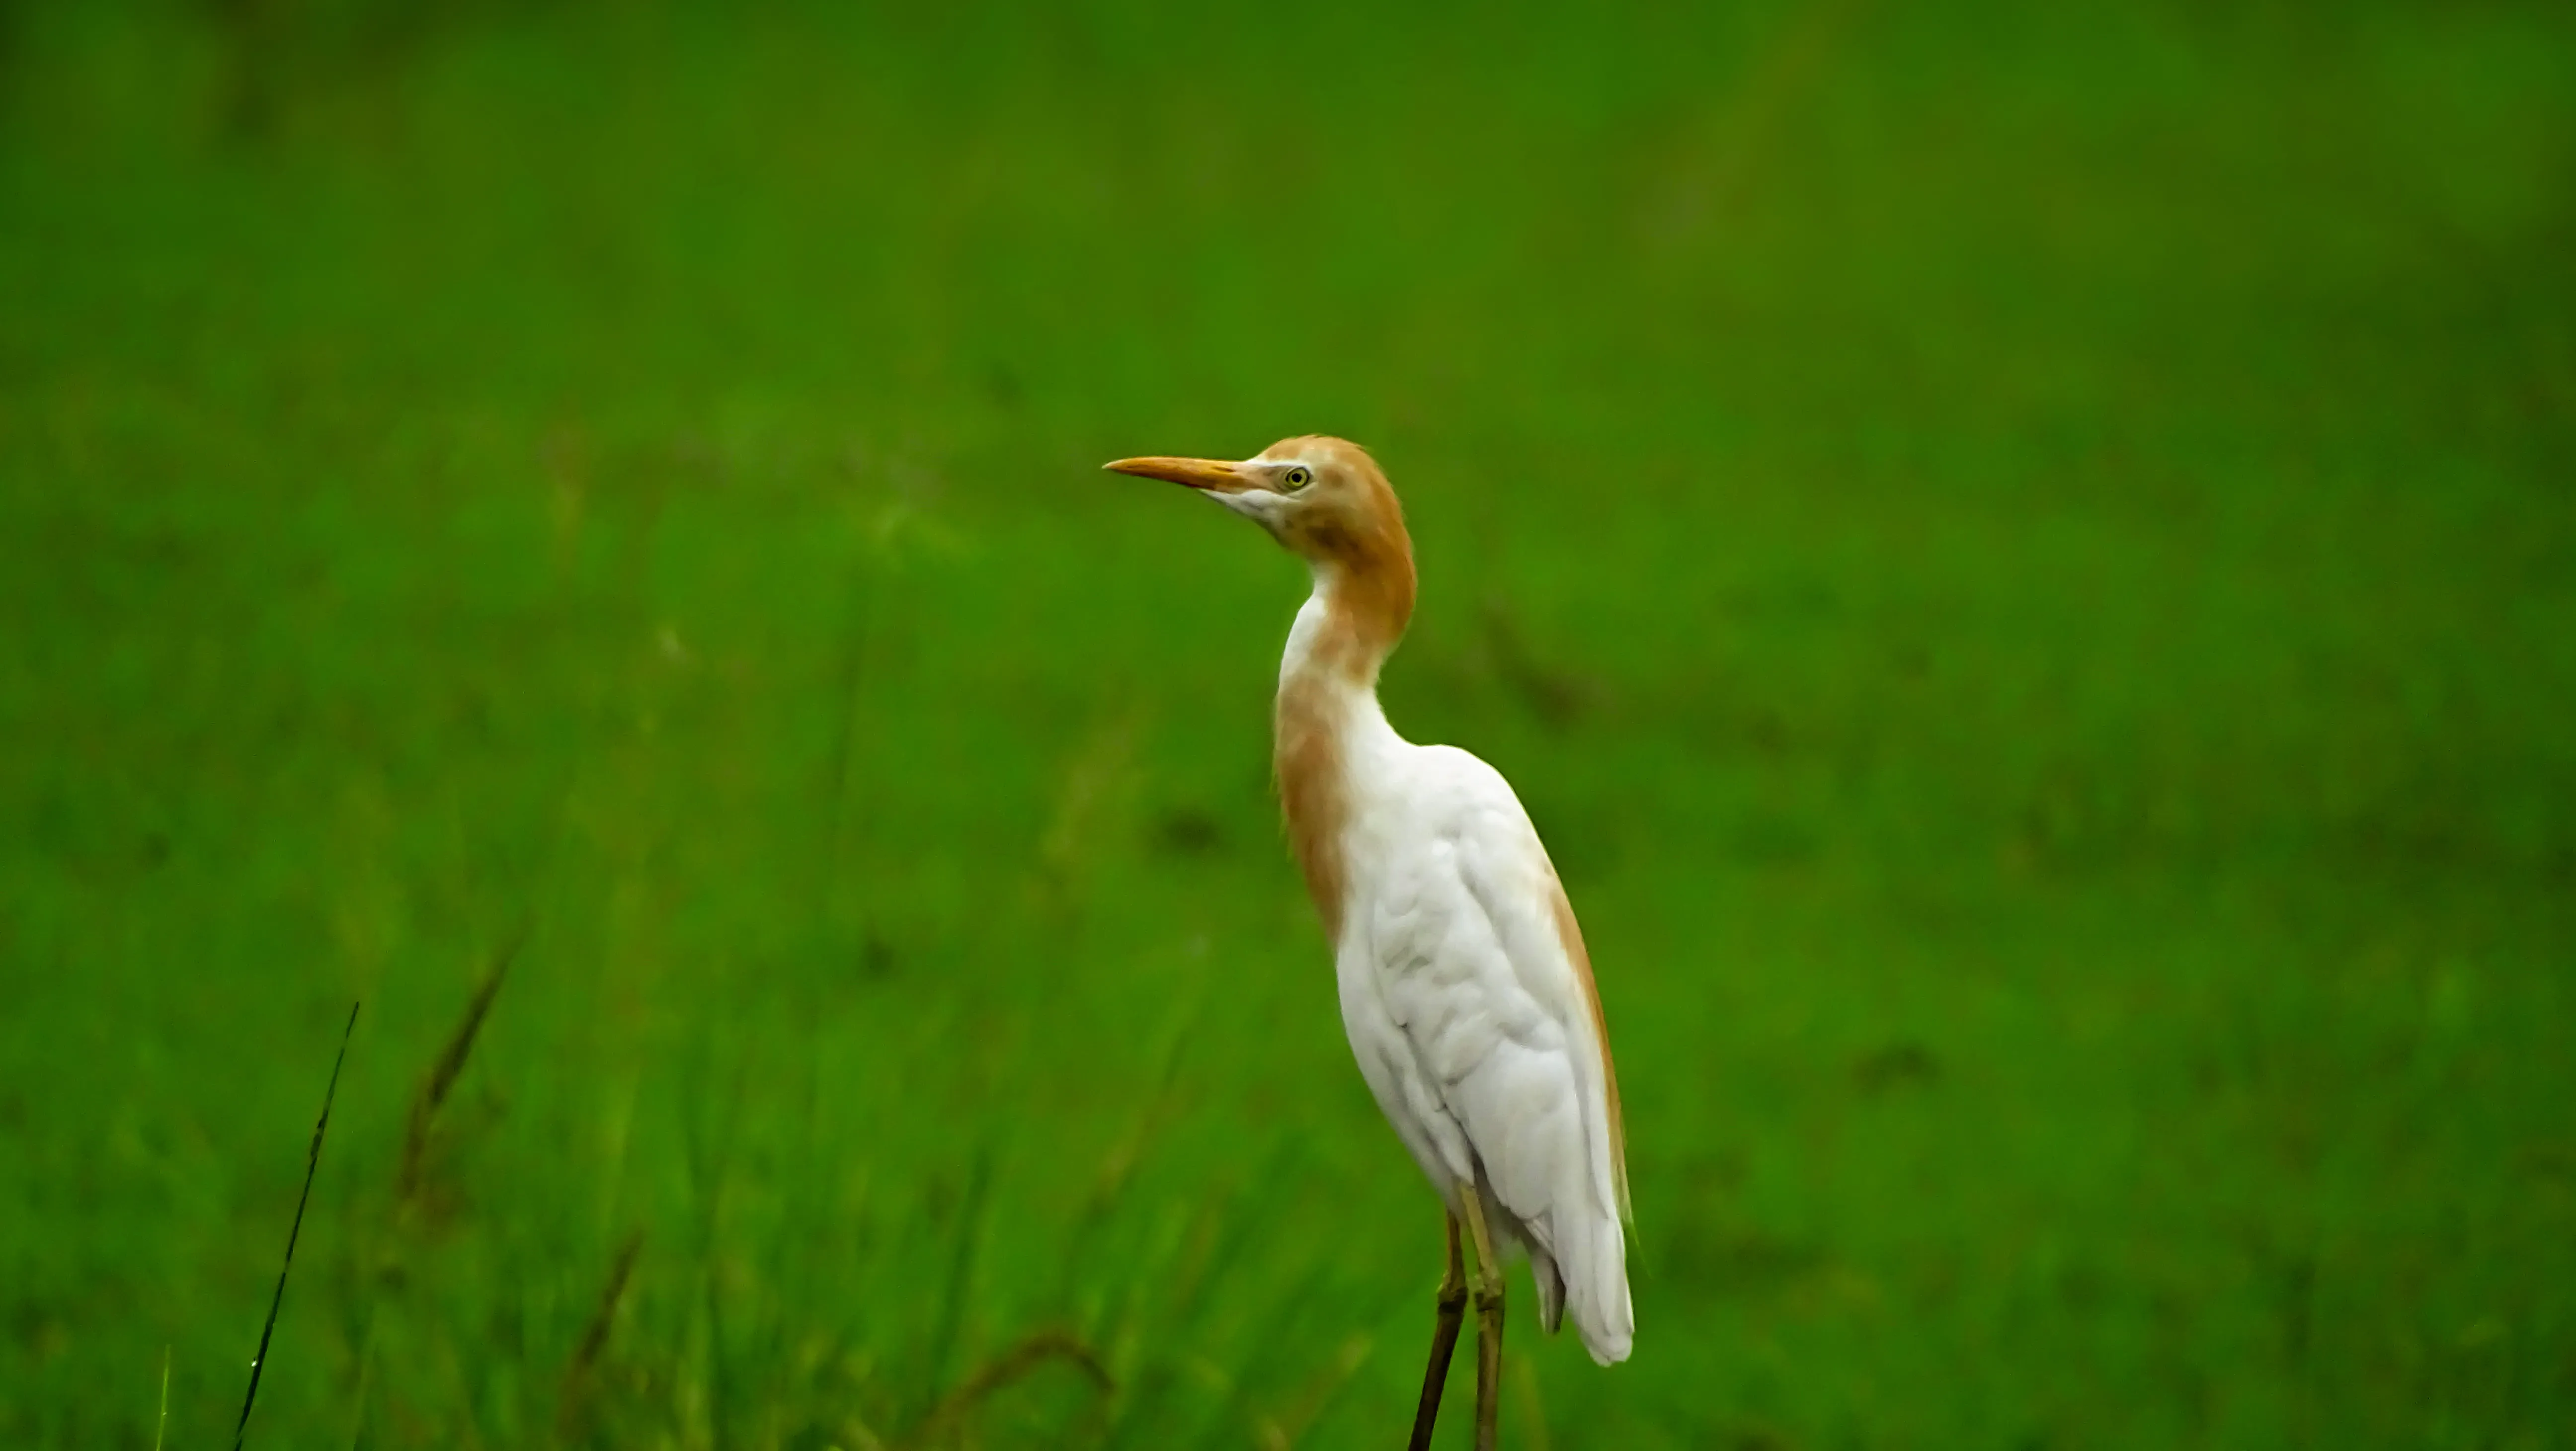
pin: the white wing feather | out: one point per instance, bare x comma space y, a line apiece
1499, 1065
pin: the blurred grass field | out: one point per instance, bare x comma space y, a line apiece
2024, 560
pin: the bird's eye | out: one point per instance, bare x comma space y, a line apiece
1297, 478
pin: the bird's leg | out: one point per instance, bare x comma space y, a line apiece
1449, 1307
1489, 1318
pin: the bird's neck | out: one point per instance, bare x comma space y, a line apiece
1327, 719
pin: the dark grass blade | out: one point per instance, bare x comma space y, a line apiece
312, 1161
961, 1272
1003, 1370
449, 1067
573, 1402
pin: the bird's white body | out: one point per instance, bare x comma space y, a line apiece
1472, 1021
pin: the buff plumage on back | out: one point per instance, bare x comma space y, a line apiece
1571, 934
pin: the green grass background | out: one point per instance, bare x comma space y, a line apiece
2023, 557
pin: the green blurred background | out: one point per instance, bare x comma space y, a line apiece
2022, 556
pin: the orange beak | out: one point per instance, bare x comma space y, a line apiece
1214, 475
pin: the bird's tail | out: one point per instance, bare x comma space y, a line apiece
1551, 1289
1592, 1266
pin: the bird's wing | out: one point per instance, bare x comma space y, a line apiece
1485, 972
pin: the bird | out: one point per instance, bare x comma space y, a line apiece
1465, 988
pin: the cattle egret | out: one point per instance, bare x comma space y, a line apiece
1464, 984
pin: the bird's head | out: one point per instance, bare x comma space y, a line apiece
1323, 498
